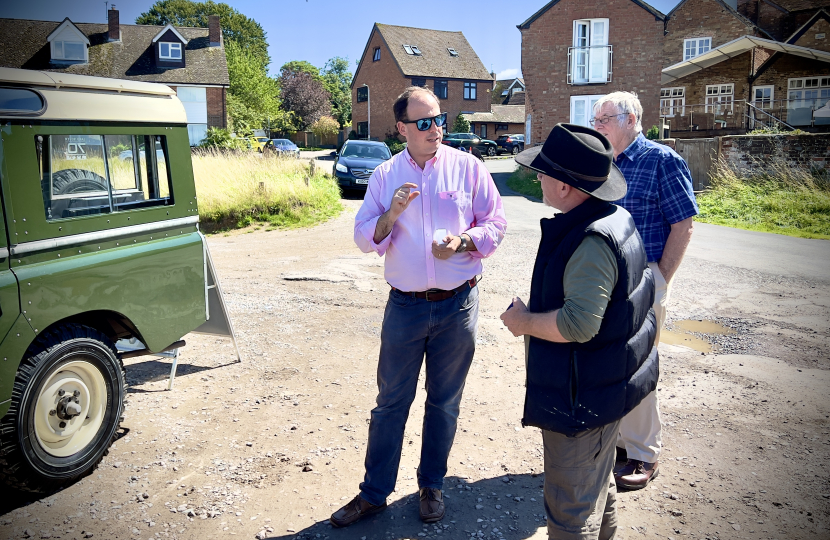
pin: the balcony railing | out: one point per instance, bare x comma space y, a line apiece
782, 114
590, 65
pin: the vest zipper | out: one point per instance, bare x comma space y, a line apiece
574, 384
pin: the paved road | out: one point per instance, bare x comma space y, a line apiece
760, 252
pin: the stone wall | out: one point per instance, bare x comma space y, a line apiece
747, 152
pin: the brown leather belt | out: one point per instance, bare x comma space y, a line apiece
436, 295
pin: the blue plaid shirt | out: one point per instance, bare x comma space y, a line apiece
659, 191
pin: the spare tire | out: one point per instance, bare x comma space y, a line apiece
70, 181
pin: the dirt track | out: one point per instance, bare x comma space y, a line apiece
276, 443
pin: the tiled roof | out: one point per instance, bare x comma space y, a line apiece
501, 114
515, 98
435, 60
23, 45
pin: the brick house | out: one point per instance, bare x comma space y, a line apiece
500, 120
190, 60
576, 51
396, 57
724, 73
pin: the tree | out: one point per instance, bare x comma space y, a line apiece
301, 66
337, 81
461, 125
253, 96
304, 96
236, 27
495, 95
325, 126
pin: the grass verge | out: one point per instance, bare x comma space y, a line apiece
523, 181
242, 189
776, 198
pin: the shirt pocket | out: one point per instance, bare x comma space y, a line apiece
451, 212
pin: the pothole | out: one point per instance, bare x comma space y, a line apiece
723, 335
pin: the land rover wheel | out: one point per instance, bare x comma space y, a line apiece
66, 406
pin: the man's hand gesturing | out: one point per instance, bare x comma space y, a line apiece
400, 202
401, 199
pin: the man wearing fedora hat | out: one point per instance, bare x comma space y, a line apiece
589, 329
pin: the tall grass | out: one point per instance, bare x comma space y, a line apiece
239, 189
773, 196
523, 181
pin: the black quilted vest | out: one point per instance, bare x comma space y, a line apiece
572, 387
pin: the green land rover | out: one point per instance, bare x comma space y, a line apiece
99, 243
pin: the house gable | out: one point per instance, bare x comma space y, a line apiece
658, 16
815, 33
68, 44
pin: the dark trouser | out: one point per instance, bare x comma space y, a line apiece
580, 493
445, 332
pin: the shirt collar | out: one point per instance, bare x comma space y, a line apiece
438, 155
637, 147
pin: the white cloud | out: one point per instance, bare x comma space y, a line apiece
511, 73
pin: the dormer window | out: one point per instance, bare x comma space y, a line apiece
170, 51
68, 50
68, 44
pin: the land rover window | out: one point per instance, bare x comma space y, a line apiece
21, 101
92, 174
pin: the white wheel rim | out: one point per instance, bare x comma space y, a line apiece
79, 431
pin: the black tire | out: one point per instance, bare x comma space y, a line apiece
77, 181
515, 150
25, 462
491, 151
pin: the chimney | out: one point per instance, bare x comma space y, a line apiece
214, 31
114, 31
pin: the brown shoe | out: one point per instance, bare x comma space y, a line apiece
357, 509
432, 505
636, 474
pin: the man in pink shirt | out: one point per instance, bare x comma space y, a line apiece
435, 213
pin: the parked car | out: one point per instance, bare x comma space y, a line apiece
512, 144
109, 253
356, 162
127, 155
284, 147
467, 140
258, 143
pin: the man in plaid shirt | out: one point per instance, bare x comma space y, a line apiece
662, 203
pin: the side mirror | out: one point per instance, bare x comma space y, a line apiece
333, 154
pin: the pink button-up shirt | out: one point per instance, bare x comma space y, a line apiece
457, 194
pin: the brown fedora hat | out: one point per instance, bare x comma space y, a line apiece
579, 156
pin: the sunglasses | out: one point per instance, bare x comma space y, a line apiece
425, 123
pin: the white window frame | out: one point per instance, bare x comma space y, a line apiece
588, 104
763, 102
170, 47
59, 53
808, 91
720, 97
692, 47
590, 56
672, 101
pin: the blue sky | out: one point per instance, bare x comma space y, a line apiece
316, 30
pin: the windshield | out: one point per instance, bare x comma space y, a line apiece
282, 142
366, 152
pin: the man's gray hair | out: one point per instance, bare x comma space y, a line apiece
625, 102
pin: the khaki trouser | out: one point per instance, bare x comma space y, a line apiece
640, 431
580, 493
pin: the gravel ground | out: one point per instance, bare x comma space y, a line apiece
271, 446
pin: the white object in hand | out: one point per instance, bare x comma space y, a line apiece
439, 235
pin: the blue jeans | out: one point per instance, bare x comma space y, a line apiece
445, 332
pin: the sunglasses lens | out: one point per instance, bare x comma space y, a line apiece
423, 124
441, 119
